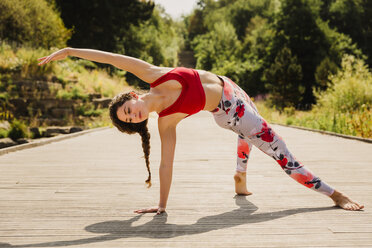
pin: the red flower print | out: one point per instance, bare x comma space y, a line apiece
303, 179
282, 162
268, 134
240, 110
243, 149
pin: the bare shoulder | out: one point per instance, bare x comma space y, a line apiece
157, 71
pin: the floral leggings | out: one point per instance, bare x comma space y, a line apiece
238, 113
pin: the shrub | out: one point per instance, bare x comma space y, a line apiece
3, 133
21, 62
326, 68
17, 130
86, 110
350, 88
32, 22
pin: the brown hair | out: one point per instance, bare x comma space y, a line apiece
131, 128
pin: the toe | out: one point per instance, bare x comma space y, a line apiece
348, 207
360, 206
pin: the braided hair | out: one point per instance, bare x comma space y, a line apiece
131, 128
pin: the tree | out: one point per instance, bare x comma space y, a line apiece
297, 29
99, 24
353, 18
283, 80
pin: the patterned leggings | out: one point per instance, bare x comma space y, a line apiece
238, 113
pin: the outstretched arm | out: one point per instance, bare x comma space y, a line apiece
140, 68
168, 144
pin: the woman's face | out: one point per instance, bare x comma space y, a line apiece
133, 111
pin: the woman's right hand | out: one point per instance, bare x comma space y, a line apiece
59, 55
157, 210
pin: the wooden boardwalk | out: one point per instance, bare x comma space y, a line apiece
81, 192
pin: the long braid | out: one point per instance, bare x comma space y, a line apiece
132, 128
145, 136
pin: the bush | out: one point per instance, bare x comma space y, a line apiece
85, 110
345, 107
350, 88
32, 22
3, 133
323, 71
17, 130
21, 62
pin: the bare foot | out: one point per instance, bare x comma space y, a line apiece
344, 202
240, 184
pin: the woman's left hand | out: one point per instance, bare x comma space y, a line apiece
59, 55
157, 210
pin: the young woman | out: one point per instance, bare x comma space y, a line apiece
177, 93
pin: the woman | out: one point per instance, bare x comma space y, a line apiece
177, 93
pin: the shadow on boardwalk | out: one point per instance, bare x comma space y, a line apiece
159, 229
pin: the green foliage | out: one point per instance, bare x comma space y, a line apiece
17, 130
102, 24
297, 29
32, 22
256, 53
353, 18
73, 80
350, 89
72, 92
157, 41
345, 107
322, 73
88, 110
195, 26
3, 133
21, 62
242, 38
339, 44
217, 47
241, 12
283, 79
76, 76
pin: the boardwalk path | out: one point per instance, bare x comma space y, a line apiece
81, 192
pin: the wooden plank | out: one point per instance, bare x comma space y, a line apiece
82, 192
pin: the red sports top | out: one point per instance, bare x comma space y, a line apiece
192, 97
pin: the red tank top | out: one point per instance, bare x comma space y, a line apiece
192, 97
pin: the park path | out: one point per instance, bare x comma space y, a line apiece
81, 192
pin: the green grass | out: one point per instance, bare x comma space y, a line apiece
357, 123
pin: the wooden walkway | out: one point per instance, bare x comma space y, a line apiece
81, 192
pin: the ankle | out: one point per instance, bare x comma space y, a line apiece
336, 195
240, 176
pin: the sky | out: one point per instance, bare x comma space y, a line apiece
175, 8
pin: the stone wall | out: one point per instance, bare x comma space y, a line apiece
37, 99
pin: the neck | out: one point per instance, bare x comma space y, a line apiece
152, 102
